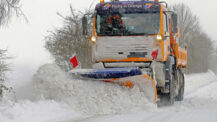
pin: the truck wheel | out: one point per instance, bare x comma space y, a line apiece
168, 98
171, 94
180, 96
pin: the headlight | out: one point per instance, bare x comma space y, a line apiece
159, 37
93, 39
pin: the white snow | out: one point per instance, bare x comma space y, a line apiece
89, 97
196, 81
40, 111
61, 98
200, 105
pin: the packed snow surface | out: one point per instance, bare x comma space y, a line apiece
58, 97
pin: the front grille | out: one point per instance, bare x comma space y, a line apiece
123, 47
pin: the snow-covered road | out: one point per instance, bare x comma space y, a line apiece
59, 99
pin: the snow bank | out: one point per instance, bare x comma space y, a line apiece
200, 92
194, 82
89, 97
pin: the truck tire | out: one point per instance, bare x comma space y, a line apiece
171, 95
181, 79
169, 98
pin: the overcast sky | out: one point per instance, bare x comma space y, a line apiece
25, 40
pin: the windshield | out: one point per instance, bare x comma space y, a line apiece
127, 24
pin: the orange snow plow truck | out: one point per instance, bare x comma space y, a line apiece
136, 43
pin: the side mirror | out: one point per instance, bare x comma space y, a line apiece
84, 25
175, 23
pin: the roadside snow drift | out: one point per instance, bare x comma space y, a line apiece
90, 97
194, 82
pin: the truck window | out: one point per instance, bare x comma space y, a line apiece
116, 24
165, 23
98, 24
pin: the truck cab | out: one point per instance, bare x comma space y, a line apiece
141, 34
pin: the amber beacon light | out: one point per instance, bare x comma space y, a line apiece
102, 1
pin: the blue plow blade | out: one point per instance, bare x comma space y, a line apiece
107, 73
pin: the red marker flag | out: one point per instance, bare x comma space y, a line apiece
154, 54
74, 62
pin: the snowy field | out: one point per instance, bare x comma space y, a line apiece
53, 96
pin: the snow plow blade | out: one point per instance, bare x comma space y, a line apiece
128, 77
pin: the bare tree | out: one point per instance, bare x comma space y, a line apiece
68, 41
200, 49
188, 22
7, 9
3, 68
